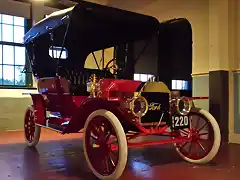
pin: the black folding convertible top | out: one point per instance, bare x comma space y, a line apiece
92, 26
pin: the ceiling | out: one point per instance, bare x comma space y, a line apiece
123, 4
50, 3
61, 4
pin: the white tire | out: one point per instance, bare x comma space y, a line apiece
29, 123
216, 142
122, 144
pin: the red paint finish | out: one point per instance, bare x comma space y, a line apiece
107, 86
162, 142
202, 139
106, 162
78, 100
65, 104
29, 124
86, 108
39, 106
197, 98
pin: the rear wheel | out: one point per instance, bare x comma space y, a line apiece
206, 138
31, 130
105, 145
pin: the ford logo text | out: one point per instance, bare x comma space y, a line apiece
154, 107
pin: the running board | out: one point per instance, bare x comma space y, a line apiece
57, 128
53, 128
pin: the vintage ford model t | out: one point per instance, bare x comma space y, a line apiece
109, 109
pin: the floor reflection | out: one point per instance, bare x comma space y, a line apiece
31, 164
55, 163
68, 162
64, 160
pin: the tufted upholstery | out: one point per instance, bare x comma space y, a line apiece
78, 79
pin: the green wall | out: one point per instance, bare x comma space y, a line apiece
12, 112
200, 87
236, 79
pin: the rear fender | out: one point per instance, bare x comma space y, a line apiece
39, 107
87, 107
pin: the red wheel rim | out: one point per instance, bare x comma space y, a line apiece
102, 145
201, 132
29, 125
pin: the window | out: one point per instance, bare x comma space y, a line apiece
99, 56
12, 51
179, 85
142, 77
55, 52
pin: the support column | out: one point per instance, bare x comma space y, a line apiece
37, 11
221, 56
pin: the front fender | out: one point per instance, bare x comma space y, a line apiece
87, 107
39, 107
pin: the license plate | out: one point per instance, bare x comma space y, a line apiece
180, 122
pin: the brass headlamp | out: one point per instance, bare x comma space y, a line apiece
184, 105
139, 106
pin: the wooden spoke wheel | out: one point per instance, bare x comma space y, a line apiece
31, 130
105, 145
206, 138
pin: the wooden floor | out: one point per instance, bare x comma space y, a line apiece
59, 157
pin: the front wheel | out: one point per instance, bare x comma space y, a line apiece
105, 145
205, 138
31, 130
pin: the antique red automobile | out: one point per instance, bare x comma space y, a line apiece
108, 107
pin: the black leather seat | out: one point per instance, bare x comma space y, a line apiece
78, 79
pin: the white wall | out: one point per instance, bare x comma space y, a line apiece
15, 8
21, 9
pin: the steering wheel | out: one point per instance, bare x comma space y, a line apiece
114, 67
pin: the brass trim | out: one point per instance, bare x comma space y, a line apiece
93, 80
132, 105
189, 108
